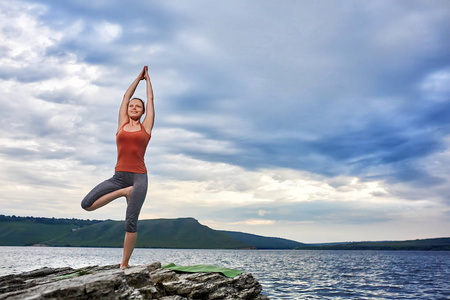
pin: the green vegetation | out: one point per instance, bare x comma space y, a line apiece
104, 234
26, 231
183, 233
159, 233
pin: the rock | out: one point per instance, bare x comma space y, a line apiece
140, 282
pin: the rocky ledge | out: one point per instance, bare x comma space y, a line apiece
140, 282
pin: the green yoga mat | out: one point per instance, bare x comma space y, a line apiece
204, 269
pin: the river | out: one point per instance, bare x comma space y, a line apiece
284, 274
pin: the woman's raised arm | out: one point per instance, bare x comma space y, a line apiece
123, 111
150, 110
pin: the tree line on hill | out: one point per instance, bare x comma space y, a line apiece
54, 221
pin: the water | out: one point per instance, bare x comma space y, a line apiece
283, 274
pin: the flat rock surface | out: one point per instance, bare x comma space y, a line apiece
140, 282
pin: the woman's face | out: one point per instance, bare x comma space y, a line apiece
135, 109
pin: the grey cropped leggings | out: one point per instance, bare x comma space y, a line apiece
119, 181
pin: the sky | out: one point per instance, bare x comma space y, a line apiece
316, 121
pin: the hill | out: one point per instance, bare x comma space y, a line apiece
262, 242
158, 233
437, 244
185, 233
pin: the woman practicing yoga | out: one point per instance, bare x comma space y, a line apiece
130, 177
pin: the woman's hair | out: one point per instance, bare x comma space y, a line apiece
143, 104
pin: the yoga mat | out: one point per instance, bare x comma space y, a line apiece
204, 269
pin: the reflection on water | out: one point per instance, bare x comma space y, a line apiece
283, 274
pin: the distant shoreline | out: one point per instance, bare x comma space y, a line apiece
434, 244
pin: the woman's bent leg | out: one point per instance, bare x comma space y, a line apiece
105, 199
107, 191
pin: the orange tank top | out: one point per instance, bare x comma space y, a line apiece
131, 146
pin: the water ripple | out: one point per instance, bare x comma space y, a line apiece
283, 274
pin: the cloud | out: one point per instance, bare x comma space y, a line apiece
266, 114
436, 86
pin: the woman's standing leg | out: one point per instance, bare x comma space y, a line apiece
136, 200
128, 246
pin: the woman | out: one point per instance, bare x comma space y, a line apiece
130, 177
